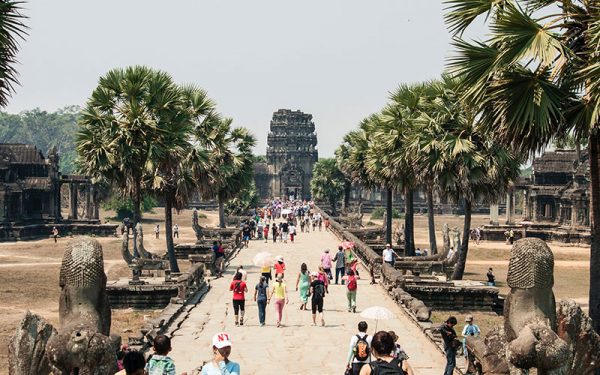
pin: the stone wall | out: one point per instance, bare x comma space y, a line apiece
231, 239
544, 232
37, 231
449, 297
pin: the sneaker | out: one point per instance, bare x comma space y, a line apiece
242, 322
323, 322
354, 309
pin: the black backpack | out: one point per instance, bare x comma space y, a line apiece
394, 367
319, 290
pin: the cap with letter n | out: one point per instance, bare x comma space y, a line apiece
221, 340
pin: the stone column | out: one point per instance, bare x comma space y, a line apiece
573, 213
73, 187
95, 205
509, 207
88, 201
494, 214
526, 207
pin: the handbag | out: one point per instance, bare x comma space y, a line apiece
348, 370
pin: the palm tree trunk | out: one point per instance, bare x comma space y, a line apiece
388, 217
169, 234
459, 268
333, 204
409, 223
137, 215
347, 188
431, 221
221, 212
594, 151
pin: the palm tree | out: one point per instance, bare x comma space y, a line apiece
231, 162
342, 157
536, 78
327, 182
174, 178
12, 29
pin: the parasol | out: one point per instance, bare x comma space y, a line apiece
263, 259
377, 313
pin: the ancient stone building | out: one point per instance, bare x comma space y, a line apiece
559, 190
291, 153
30, 187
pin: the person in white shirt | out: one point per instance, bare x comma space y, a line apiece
243, 272
175, 231
354, 350
389, 255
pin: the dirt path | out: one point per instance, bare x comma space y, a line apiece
298, 347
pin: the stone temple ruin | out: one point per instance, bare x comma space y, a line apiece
291, 153
31, 199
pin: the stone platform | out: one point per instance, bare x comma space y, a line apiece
10, 232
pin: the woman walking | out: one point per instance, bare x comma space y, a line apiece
261, 295
352, 285
322, 275
279, 294
303, 281
274, 232
239, 288
279, 267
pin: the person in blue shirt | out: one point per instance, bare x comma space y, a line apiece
470, 329
221, 365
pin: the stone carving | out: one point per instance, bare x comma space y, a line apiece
534, 334
446, 237
146, 261
139, 234
82, 343
196, 225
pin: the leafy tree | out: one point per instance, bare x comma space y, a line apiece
247, 199
12, 29
536, 78
327, 182
124, 206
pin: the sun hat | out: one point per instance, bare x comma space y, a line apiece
221, 340
279, 258
469, 318
314, 274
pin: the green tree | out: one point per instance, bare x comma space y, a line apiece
535, 78
327, 182
12, 29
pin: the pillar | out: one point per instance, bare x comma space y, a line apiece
494, 214
88, 201
509, 207
73, 187
573, 213
526, 207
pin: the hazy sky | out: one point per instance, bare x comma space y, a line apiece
336, 59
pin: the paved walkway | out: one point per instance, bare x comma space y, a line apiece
298, 347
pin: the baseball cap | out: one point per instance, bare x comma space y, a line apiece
469, 318
221, 340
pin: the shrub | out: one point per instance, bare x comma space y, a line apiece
378, 213
124, 206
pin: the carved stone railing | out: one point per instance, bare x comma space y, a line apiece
393, 282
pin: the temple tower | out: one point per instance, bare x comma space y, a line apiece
291, 153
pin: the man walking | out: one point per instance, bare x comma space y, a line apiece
157, 231
326, 263
389, 255
450, 344
284, 231
359, 352
175, 231
340, 264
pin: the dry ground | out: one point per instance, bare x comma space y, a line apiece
29, 275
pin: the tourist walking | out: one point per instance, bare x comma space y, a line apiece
340, 264
265, 271
322, 275
302, 224
160, 363
221, 365
317, 293
352, 286
175, 231
157, 231
292, 229
326, 263
55, 234
469, 329
303, 284
261, 295
359, 352
246, 234
279, 294
239, 288
279, 267
383, 346
285, 227
218, 259
274, 232
511, 236
451, 344
389, 255
266, 232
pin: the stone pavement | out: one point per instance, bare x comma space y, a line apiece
297, 347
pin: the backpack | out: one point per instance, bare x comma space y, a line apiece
387, 368
352, 285
319, 290
362, 352
236, 288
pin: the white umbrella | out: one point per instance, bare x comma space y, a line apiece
263, 259
377, 313
285, 211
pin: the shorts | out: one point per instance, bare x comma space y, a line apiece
238, 304
316, 304
246, 238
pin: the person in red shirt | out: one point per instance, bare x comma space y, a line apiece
279, 267
239, 288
